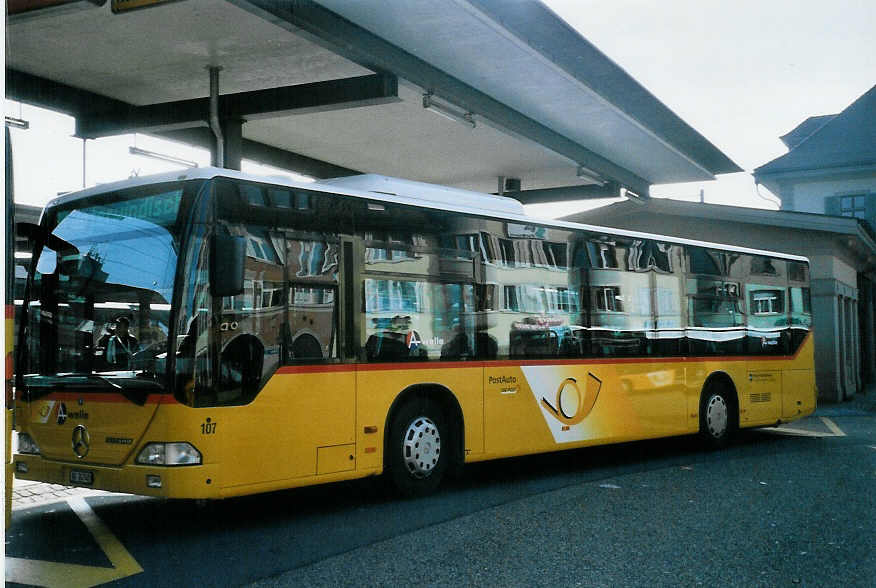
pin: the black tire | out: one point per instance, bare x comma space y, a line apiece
719, 417
419, 448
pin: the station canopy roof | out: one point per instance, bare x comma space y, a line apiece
337, 87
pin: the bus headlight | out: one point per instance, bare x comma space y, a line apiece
169, 454
26, 444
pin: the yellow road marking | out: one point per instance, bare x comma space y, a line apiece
50, 573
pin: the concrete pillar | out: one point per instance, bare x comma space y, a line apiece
868, 324
849, 367
856, 327
232, 132
850, 348
826, 326
841, 348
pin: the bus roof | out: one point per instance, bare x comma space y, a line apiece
401, 191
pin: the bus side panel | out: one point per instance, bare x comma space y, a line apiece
514, 423
379, 385
278, 434
761, 398
696, 374
535, 408
657, 395
798, 384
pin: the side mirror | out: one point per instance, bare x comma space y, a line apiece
30, 231
227, 259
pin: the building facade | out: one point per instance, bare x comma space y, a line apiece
830, 169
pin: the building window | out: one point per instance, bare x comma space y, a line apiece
854, 205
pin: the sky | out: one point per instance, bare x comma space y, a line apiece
742, 73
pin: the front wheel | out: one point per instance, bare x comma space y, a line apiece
418, 450
717, 415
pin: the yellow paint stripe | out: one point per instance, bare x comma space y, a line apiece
832, 426
50, 573
112, 547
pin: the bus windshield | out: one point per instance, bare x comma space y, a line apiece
98, 307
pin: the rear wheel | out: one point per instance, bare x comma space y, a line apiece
418, 451
717, 414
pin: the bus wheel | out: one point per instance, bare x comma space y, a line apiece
717, 414
419, 447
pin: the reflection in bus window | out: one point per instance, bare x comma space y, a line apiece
650, 255
703, 261
766, 302
285, 198
312, 323
603, 254
767, 319
251, 324
408, 319
390, 247
764, 266
714, 304
608, 298
798, 271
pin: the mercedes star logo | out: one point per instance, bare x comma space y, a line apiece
81, 441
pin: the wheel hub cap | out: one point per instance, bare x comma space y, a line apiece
716, 416
421, 447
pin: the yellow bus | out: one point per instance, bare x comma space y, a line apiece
212, 334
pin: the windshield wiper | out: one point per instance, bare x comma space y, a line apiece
136, 390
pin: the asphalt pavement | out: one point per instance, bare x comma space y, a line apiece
775, 508
769, 511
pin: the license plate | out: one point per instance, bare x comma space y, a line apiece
81, 478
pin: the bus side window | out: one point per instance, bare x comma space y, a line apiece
311, 326
312, 320
251, 323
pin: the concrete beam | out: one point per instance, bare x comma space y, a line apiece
76, 102
273, 102
46, 93
266, 154
566, 193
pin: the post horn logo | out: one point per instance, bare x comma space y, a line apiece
81, 441
571, 405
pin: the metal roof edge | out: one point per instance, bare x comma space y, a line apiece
546, 33
810, 172
790, 219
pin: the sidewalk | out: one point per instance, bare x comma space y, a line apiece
862, 404
26, 493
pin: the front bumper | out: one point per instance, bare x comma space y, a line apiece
176, 481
